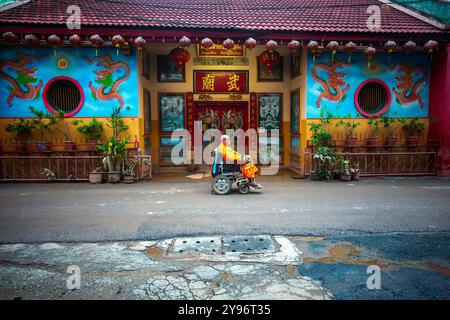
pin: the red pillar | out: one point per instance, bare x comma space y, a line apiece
439, 107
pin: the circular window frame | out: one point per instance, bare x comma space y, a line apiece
47, 102
383, 109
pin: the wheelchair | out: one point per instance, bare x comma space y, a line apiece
225, 176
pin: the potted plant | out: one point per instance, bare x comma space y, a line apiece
67, 144
21, 129
374, 127
413, 128
326, 158
130, 172
115, 155
391, 125
346, 174
116, 123
349, 125
90, 131
321, 136
97, 175
355, 174
44, 122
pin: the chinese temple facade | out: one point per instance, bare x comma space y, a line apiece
232, 65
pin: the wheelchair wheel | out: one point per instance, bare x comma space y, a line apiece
221, 184
244, 189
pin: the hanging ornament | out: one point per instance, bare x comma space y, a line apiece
179, 56
332, 46
96, 41
312, 47
228, 44
54, 41
293, 45
75, 40
369, 52
32, 41
118, 42
10, 37
431, 46
390, 46
349, 48
139, 42
409, 47
250, 43
185, 42
206, 43
271, 45
269, 58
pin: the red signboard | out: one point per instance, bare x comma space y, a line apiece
220, 51
209, 81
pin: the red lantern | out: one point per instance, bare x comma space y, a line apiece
369, 52
390, 46
139, 42
312, 46
179, 56
75, 40
228, 44
430, 46
332, 46
250, 43
349, 48
96, 41
293, 45
118, 41
409, 47
54, 41
31, 40
206, 43
185, 42
8, 36
269, 58
271, 45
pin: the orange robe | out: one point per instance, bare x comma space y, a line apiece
249, 169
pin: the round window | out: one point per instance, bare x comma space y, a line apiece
372, 98
63, 94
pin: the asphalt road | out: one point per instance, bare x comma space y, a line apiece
178, 206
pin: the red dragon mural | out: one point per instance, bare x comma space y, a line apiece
108, 89
21, 86
333, 87
406, 89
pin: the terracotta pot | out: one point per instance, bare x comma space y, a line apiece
87, 146
412, 140
69, 145
351, 142
392, 141
372, 141
14, 146
96, 177
114, 177
129, 179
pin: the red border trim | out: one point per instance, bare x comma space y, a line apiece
385, 107
49, 106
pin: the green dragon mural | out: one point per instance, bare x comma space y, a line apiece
21, 86
108, 89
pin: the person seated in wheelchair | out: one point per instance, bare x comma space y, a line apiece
229, 156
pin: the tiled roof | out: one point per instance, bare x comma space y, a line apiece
238, 15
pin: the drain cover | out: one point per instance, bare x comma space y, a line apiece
248, 244
203, 245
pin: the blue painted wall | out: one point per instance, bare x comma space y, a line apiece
78, 68
357, 71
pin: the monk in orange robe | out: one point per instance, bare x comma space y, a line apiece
248, 169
